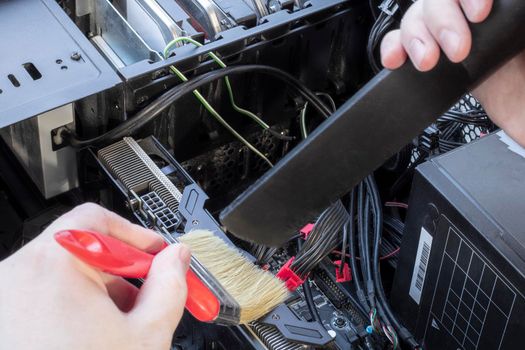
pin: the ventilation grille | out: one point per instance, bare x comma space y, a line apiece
128, 162
272, 338
222, 169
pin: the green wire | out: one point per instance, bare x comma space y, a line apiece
302, 116
394, 337
217, 60
210, 109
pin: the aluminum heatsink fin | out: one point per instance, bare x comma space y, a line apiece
129, 164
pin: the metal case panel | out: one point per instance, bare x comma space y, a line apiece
45, 61
53, 172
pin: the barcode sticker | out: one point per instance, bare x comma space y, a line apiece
420, 266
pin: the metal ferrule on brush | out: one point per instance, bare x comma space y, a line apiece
217, 307
208, 300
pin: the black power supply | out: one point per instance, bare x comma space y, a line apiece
460, 283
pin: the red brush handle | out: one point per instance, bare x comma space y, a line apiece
120, 259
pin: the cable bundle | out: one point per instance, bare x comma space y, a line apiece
156, 107
262, 253
365, 205
463, 123
384, 22
322, 240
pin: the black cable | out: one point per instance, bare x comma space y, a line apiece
372, 8
378, 228
363, 208
155, 108
304, 256
323, 239
379, 29
353, 259
395, 227
370, 289
329, 99
360, 227
263, 254
343, 248
310, 303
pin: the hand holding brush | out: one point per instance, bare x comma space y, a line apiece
223, 285
51, 300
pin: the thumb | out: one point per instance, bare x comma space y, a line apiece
160, 302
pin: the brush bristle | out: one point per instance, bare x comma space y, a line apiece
256, 291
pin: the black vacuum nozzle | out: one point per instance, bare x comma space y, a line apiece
369, 128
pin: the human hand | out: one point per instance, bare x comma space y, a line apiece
51, 300
433, 24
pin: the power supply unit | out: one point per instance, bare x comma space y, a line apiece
460, 279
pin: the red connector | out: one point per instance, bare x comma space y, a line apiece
345, 276
290, 279
305, 231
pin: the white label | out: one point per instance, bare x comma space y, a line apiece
420, 267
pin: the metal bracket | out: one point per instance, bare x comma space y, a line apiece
294, 329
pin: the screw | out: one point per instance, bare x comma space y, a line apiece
156, 74
340, 322
275, 317
75, 56
195, 222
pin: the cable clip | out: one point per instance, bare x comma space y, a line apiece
305, 231
346, 274
290, 279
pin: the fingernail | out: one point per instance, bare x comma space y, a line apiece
386, 49
157, 246
184, 254
386, 46
450, 42
471, 7
417, 51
